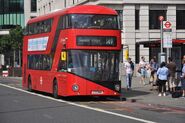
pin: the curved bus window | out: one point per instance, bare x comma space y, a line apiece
82, 21
94, 65
39, 27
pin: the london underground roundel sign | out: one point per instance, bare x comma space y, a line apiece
167, 25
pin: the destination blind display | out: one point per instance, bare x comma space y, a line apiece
96, 41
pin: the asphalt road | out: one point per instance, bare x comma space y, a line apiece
20, 106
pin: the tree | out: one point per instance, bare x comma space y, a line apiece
16, 37
11, 43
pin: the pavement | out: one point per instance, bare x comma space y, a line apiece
140, 94
147, 95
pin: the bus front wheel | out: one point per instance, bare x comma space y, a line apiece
55, 89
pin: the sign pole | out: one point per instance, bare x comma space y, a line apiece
162, 55
168, 52
161, 22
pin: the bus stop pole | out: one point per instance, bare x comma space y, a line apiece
162, 54
161, 22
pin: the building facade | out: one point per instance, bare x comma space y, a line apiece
16, 12
139, 19
47, 6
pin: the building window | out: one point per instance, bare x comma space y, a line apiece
39, 12
49, 6
11, 13
11, 6
154, 22
33, 5
180, 18
65, 3
44, 9
137, 19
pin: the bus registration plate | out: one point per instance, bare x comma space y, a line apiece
97, 92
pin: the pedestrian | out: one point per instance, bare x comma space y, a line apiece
171, 77
143, 70
132, 67
162, 74
129, 66
183, 77
153, 69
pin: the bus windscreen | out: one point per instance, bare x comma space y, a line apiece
94, 65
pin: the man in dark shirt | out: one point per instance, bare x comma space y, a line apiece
171, 79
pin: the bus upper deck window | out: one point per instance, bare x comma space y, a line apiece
25, 30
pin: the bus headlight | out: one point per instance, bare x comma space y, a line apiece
117, 87
75, 87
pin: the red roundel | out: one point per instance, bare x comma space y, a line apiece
167, 24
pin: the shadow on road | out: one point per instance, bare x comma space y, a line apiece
133, 93
125, 94
82, 98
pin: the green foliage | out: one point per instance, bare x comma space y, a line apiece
13, 41
4, 43
16, 37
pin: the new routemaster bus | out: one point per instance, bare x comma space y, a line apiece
73, 52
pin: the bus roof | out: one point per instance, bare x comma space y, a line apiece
81, 9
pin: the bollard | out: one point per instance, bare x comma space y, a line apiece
5, 73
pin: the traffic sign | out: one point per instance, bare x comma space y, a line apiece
166, 25
167, 34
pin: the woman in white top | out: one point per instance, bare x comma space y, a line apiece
129, 73
143, 68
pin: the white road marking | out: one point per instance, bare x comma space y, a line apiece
82, 106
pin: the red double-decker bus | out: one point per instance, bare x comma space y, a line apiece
73, 52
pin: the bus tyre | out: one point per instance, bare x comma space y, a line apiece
29, 84
55, 89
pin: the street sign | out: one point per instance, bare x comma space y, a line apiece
167, 34
167, 39
166, 25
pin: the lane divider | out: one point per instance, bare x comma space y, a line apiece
79, 105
